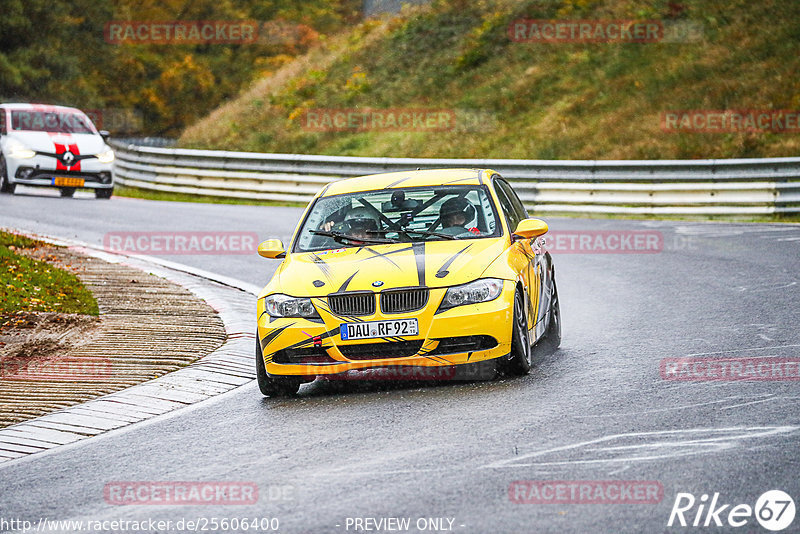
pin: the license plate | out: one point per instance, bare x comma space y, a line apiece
376, 329
67, 181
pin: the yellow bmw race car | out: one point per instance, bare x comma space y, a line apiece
436, 270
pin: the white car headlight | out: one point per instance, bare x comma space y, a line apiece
19, 151
106, 157
482, 290
285, 306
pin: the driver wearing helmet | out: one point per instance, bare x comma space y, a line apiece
455, 213
359, 222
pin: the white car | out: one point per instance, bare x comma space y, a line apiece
53, 146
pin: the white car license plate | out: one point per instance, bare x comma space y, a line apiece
376, 329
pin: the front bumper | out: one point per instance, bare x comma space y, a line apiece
42, 178
458, 336
41, 172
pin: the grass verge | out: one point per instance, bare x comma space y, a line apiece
28, 285
529, 100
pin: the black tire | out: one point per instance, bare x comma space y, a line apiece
5, 185
67, 192
519, 361
552, 337
274, 386
103, 193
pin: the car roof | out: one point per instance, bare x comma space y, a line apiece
404, 179
38, 107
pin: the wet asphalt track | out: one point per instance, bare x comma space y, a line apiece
597, 409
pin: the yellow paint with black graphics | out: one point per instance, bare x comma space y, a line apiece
431, 266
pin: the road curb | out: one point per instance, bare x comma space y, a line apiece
227, 368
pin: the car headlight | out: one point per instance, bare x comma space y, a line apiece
19, 151
285, 306
482, 290
106, 157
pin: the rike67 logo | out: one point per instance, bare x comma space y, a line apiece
774, 510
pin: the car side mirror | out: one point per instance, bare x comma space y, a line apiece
530, 228
272, 248
105, 134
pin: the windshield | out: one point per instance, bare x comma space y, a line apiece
399, 215
51, 121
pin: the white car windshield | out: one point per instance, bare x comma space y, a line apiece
399, 215
51, 121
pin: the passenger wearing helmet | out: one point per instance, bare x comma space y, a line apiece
455, 213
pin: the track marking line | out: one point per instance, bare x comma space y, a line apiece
694, 444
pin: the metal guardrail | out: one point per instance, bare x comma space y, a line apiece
678, 187
159, 142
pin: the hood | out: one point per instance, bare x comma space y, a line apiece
431, 264
53, 143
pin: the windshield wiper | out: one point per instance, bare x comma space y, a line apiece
339, 236
426, 232
421, 232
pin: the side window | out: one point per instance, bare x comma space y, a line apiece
3, 122
516, 203
512, 217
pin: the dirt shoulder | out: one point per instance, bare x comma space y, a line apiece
147, 327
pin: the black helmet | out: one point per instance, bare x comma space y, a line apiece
457, 205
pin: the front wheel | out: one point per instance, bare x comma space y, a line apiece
5, 184
103, 193
273, 386
519, 362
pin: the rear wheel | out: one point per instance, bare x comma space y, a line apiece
519, 362
5, 185
103, 193
274, 386
67, 191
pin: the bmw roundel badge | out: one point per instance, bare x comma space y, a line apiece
377, 283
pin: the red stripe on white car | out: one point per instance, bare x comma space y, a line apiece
62, 147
